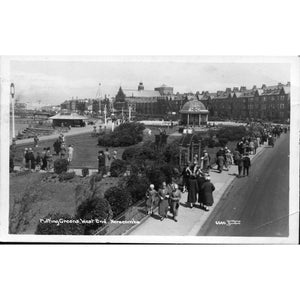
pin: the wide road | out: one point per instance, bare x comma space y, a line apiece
257, 205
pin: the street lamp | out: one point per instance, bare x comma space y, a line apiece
12, 93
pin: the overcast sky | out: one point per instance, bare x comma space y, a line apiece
53, 82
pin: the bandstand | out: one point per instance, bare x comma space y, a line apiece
194, 113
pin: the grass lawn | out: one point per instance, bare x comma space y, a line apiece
85, 148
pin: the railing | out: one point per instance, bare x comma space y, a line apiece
134, 215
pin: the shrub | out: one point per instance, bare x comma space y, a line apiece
156, 176
119, 199
66, 176
49, 225
140, 152
97, 209
223, 142
60, 165
232, 133
137, 186
85, 172
171, 152
118, 167
124, 135
130, 153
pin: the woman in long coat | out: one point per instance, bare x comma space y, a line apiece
192, 188
163, 207
207, 189
151, 195
200, 181
206, 162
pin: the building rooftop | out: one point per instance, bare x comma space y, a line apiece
68, 116
141, 93
193, 106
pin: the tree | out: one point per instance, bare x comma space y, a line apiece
95, 209
137, 186
81, 107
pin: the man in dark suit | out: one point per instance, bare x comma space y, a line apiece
246, 164
101, 163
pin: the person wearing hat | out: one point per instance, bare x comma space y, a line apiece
114, 156
205, 162
70, 153
207, 189
151, 196
246, 164
31, 160
228, 158
220, 160
163, 206
192, 188
175, 199
24, 158
101, 162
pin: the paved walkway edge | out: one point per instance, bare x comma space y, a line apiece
227, 185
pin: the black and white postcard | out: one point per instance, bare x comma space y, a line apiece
150, 149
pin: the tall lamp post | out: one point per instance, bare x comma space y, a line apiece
12, 93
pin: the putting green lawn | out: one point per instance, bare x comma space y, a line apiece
85, 150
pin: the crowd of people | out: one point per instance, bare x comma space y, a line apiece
42, 160
168, 196
195, 176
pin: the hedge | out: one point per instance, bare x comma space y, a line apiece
119, 199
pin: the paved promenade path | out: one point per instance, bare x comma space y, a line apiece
72, 132
258, 204
189, 220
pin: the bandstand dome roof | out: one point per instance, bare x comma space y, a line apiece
193, 106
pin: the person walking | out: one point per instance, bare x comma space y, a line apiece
246, 164
36, 141
163, 206
48, 157
175, 200
63, 151
200, 181
192, 189
151, 196
205, 162
44, 160
70, 153
255, 146
101, 163
239, 162
220, 162
251, 146
107, 160
207, 189
186, 172
31, 160
24, 160
228, 158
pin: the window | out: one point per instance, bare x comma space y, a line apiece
281, 105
